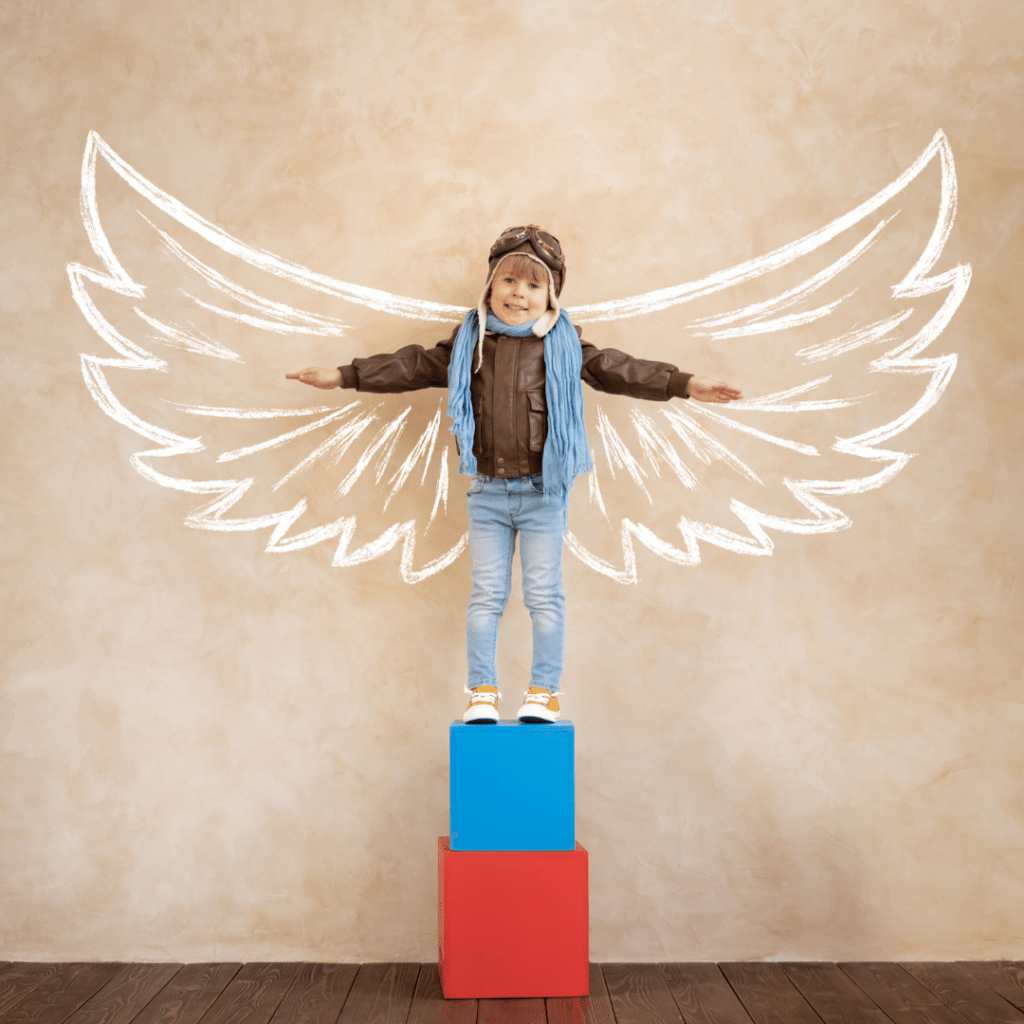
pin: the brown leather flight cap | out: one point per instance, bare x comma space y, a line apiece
535, 241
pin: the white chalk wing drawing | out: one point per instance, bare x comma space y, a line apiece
837, 334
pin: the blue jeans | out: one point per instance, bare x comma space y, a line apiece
498, 510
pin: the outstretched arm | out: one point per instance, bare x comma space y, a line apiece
409, 369
318, 377
707, 389
620, 374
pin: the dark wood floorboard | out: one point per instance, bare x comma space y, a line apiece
429, 1005
126, 995
60, 995
833, 995
593, 1009
964, 994
18, 980
768, 995
1003, 976
253, 994
188, 995
512, 1011
395, 993
317, 994
703, 995
905, 1000
381, 994
640, 995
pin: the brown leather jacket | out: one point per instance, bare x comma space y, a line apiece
508, 390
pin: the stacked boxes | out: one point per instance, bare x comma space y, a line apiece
511, 879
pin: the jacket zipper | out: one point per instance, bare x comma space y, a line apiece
515, 406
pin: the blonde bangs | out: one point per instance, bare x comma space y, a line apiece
519, 265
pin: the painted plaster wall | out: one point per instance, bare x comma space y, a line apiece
212, 752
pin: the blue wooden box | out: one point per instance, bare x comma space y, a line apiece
512, 786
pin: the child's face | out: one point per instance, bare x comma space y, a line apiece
517, 300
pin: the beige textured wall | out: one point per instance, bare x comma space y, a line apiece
213, 752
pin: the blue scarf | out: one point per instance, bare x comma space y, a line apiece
566, 451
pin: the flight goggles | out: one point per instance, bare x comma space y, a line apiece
544, 245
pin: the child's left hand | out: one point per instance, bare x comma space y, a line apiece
318, 377
707, 389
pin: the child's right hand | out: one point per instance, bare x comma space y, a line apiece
318, 377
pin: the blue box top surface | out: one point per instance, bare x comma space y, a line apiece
562, 723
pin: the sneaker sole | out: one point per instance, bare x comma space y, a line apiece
537, 720
483, 719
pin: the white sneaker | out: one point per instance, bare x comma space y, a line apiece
483, 706
539, 705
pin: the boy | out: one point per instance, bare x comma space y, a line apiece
513, 370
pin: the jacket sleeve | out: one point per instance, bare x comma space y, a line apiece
409, 369
608, 369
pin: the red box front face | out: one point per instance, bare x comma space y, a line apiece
512, 924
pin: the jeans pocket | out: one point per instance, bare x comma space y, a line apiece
537, 482
476, 485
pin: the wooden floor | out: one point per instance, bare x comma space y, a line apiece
727, 993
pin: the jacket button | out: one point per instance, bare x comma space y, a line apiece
501, 460
501, 471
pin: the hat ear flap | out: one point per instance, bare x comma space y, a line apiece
548, 318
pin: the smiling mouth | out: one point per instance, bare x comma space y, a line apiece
515, 309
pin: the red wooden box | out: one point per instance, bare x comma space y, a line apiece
512, 923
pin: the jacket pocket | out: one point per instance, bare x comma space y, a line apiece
538, 420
